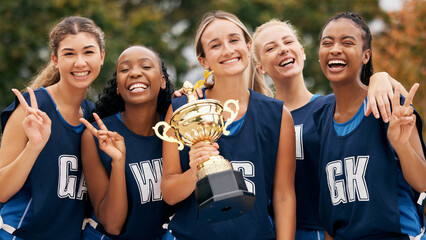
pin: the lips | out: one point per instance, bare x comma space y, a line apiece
137, 87
232, 60
286, 62
336, 64
80, 74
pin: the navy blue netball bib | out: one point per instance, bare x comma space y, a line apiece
147, 211
58, 190
251, 150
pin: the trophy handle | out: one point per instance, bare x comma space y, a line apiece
164, 135
226, 108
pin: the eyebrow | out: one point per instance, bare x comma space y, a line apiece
345, 37
273, 41
71, 49
214, 39
140, 59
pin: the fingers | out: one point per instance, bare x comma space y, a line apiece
202, 151
178, 93
44, 117
396, 98
33, 98
99, 122
411, 94
20, 98
384, 107
372, 107
89, 126
199, 92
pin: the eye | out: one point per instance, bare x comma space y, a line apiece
68, 54
289, 42
269, 49
326, 43
215, 46
348, 43
146, 67
124, 70
89, 52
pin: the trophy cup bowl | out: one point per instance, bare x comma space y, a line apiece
221, 192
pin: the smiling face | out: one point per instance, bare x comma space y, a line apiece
139, 76
341, 51
279, 52
225, 49
79, 60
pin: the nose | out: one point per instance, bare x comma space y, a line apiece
283, 49
228, 48
135, 72
336, 49
80, 61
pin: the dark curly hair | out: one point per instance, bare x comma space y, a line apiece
367, 69
109, 102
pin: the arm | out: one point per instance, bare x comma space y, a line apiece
380, 90
327, 236
24, 137
175, 184
284, 199
404, 138
108, 194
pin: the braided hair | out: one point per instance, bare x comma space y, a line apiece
367, 69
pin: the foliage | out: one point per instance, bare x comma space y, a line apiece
401, 49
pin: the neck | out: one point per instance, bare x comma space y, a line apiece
68, 102
234, 87
293, 92
349, 98
141, 118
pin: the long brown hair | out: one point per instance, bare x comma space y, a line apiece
49, 75
255, 80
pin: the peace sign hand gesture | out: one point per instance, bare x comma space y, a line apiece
36, 124
403, 120
111, 143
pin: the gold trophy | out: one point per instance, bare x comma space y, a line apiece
221, 191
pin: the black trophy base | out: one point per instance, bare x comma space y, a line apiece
222, 196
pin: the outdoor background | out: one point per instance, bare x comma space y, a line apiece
168, 27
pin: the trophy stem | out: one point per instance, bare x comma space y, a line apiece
215, 164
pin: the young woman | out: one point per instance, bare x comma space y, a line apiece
371, 173
123, 162
279, 53
261, 144
41, 181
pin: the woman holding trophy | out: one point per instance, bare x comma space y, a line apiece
261, 144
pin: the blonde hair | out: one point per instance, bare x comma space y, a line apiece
49, 75
256, 80
272, 22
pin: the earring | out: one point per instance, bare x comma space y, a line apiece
318, 60
304, 56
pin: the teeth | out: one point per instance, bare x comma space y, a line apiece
336, 62
137, 85
80, 74
231, 60
290, 60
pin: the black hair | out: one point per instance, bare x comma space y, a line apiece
367, 69
110, 103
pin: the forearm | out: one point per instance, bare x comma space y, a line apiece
413, 166
14, 175
285, 216
177, 187
112, 210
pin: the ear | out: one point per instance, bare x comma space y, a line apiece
102, 57
303, 52
203, 63
366, 57
260, 68
163, 82
249, 46
54, 60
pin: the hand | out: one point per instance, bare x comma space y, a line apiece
198, 93
402, 120
201, 152
111, 143
379, 93
37, 125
